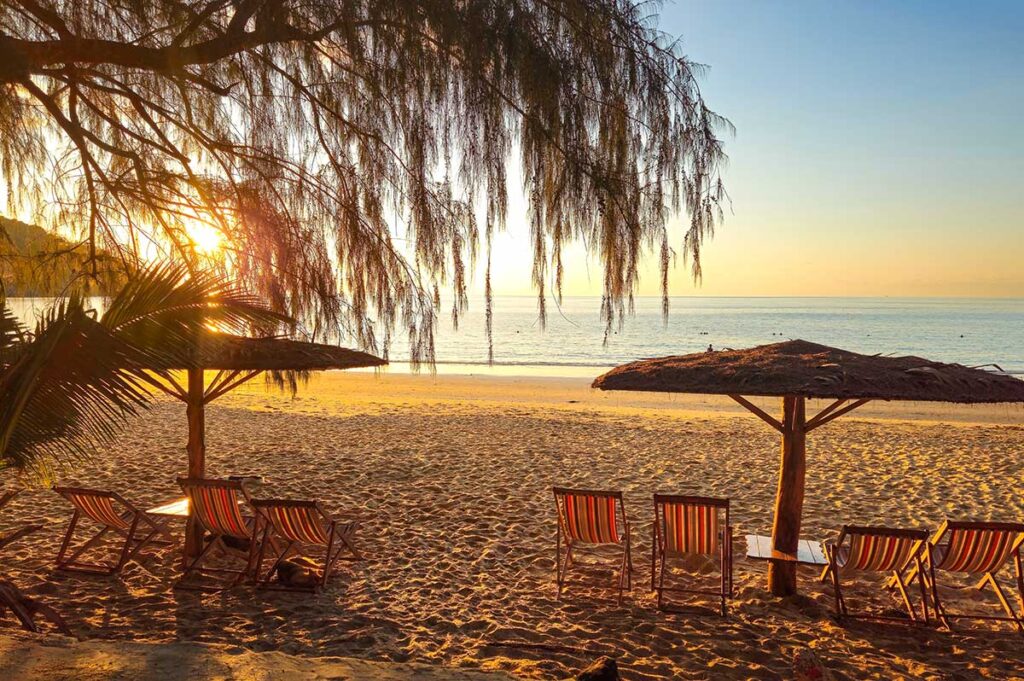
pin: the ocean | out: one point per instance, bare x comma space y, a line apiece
970, 331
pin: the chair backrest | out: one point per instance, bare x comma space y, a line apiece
688, 524
97, 505
589, 515
879, 549
295, 520
214, 503
978, 547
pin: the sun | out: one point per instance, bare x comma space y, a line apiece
204, 238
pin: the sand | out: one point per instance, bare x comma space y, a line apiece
23, 656
453, 477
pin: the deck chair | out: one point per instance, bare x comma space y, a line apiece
861, 549
691, 526
113, 514
302, 524
587, 518
977, 549
215, 506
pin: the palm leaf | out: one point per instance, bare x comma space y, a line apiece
66, 391
164, 309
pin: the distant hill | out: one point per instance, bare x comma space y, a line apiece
38, 263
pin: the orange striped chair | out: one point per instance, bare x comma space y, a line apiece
977, 549
691, 526
589, 519
878, 549
303, 524
215, 505
111, 513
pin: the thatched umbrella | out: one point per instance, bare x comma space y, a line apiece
797, 370
238, 359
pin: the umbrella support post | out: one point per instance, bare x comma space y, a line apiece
789, 499
195, 412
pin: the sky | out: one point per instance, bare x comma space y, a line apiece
879, 151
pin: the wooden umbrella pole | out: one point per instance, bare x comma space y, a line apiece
789, 498
195, 412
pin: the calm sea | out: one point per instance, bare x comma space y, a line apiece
969, 331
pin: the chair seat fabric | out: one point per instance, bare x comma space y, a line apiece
99, 508
691, 529
875, 553
974, 551
591, 519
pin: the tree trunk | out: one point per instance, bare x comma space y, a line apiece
195, 412
789, 499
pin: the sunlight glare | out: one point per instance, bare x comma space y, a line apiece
205, 239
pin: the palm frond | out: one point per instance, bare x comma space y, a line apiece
68, 389
12, 331
163, 309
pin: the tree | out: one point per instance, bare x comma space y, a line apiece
68, 386
308, 132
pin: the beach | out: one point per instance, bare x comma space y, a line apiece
451, 477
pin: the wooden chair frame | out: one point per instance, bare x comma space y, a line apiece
988, 576
562, 567
195, 565
135, 519
900, 578
340, 540
660, 553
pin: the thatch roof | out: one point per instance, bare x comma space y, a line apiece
810, 370
238, 353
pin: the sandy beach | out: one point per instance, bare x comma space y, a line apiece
452, 476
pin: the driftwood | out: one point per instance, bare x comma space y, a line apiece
26, 608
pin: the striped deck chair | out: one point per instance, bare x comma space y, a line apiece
215, 506
135, 528
691, 526
303, 524
878, 549
588, 518
978, 549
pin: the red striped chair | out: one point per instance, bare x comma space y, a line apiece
878, 549
588, 519
691, 526
215, 505
977, 549
303, 524
113, 514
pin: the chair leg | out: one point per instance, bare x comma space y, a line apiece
924, 592
661, 582
1020, 579
126, 551
629, 564
558, 559
86, 546
623, 571
906, 598
839, 603
940, 612
990, 578
654, 551
189, 568
67, 538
